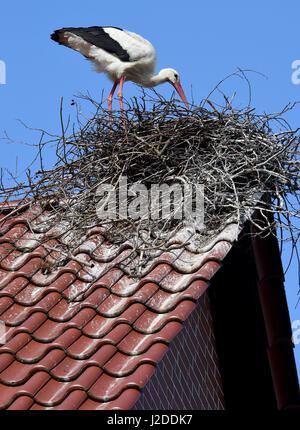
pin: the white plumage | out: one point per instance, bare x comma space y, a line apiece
121, 54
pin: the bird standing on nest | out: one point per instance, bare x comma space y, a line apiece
121, 54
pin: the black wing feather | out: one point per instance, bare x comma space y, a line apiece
97, 37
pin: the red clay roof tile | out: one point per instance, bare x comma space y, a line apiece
70, 368
123, 364
150, 322
5, 360
21, 403
125, 400
19, 372
30, 388
53, 392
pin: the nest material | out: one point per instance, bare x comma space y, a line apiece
243, 165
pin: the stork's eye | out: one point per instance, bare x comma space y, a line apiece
176, 76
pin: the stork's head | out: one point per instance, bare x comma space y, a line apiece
170, 75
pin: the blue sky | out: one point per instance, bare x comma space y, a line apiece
205, 41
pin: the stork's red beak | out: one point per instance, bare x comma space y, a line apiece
179, 89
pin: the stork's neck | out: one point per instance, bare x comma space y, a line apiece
154, 80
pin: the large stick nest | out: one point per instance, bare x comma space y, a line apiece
242, 163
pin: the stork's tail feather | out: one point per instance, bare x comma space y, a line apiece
55, 36
58, 36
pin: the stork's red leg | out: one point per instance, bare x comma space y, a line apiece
110, 96
109, 99
120, 95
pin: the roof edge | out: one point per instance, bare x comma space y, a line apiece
277, 320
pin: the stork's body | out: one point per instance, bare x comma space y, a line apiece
121, 54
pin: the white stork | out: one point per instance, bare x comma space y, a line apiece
121, 54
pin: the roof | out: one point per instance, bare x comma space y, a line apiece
88, 335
